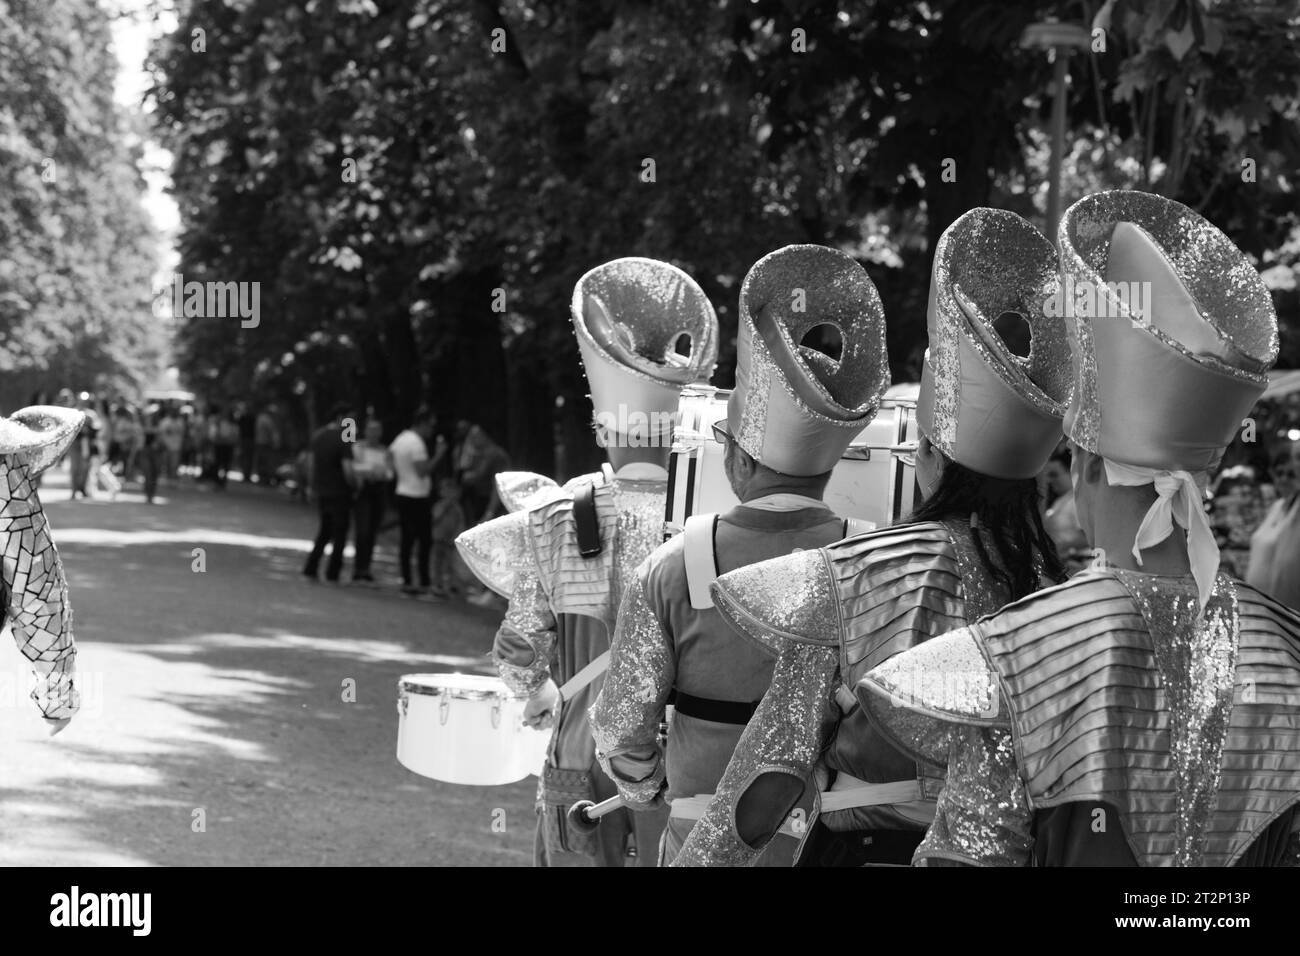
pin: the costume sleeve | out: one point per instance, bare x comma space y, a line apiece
525, 642
983, 816
773, 761
625, 717
37, 598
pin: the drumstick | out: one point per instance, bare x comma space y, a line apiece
584, 816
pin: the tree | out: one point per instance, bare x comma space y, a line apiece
77, 251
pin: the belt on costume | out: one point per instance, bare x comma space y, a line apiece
717, 711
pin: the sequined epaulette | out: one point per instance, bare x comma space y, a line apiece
782, 599
522, 490
497, 550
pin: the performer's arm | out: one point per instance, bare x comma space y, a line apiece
773, 762
626, 715
37, 603
983, 816
525, 641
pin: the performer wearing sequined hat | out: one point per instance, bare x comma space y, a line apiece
989, 420
792, 414
564, 557
1147, 712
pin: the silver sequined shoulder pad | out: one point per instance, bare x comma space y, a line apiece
521, 490
497, 550
946, 678
790, 598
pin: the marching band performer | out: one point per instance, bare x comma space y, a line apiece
563, 559
1147, 712
790, 418
989, 420
36, 608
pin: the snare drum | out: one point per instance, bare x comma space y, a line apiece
697, 480
467, 729
875, 480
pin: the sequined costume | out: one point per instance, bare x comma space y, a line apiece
662, 643
830, 616
36, 593
560, 619
1126, 717
794, 410
834, 614
1108, 722
566, 556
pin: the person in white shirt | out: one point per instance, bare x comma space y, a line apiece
414, 467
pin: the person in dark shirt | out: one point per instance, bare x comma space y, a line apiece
331, 483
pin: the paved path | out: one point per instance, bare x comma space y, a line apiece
222, 691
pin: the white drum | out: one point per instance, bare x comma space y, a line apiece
467, 729
874, 481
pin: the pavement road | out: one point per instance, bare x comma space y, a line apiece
222, 690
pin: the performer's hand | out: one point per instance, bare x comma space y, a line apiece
543, 707
54, 726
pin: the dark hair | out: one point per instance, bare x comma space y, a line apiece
339, 410
1006, 512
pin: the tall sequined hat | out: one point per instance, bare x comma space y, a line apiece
795, 409
645, 329
984, 406
1173, 331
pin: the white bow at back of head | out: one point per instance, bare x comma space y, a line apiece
1178, 499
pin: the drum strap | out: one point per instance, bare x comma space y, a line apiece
860, 795
586, 520
584, 677
701, 559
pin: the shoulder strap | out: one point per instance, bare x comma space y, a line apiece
701, 561
584, 516
854, 526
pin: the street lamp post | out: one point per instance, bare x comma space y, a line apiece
1059, 40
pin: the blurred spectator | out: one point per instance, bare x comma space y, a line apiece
448, 522
130, 439
478, 460
247, 423
266, 441
332, 481
414, 465
1275, 545
224, 435
84, 454
373, 466
171, 431
1061, 519
152, 455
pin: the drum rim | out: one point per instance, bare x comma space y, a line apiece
409, 685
